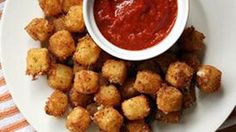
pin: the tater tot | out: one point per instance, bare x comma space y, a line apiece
115, 71
60, 77
86, 82
108, 119
192, 40
108, 96
191, 59
79, 99
179, 74
67, 4
87, 52
78, 67
172, 117
57, 104
59, 23
78, 120
147, 82
128, 90
51, 7
38, 62
39, 29
138, 126
208, 79
62, 45
169, 99
74, 19
136, 108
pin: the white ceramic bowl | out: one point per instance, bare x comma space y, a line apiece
165, 44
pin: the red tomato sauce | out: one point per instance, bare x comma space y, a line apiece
135, 24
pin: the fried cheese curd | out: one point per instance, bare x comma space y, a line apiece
51, 7
179, 74
108, 96
136, 108
86, 82
79, 99
108, 119
60, 77
87, 52
57, 104
38, 62
40, 29
208, 79
78, 120
74, 19
67, 4
62, 45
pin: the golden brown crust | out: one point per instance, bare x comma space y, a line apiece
172, 117
179, 74
57, 104
136, 108
108, 119
61, 45
51, 7
74, 20
208, 79
39, 29
147, 82
86, 82
115, 71
38, 62
108, 96
191, 59
87, 52
60, 77
67, 4
59, 23
169, 99
78, 120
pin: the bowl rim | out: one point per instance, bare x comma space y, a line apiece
136, 55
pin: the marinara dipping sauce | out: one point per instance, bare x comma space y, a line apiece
135, 24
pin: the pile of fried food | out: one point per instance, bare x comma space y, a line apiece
117, 95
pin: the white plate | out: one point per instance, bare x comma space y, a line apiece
216, 18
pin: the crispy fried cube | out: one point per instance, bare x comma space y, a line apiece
60, 77
51, 7
38, 62
86, 82
191, 59
108, 96
74, 19
61, 44
39, 29
128, 90
87, 52
57, 104
136, 108
172, 117
78, 120
208, 79
115, 71
147, 82
179, 74
108, 119
169, 99
79, 99
192, 40
67, 4
138, 126
59, 23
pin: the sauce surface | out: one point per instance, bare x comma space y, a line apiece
135, 24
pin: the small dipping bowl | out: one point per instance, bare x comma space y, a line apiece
137, 55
